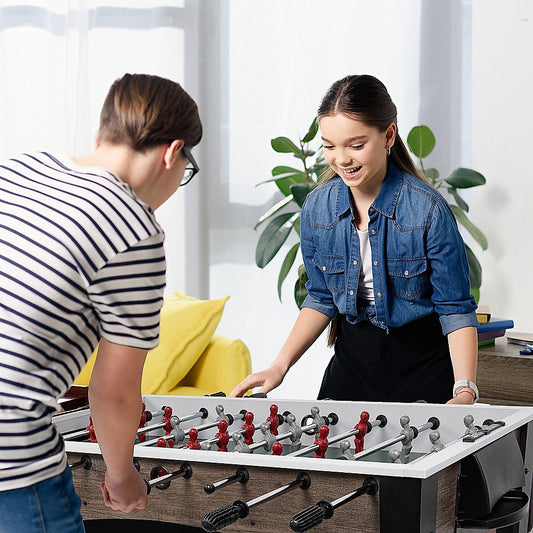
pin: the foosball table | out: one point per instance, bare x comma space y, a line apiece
254, 464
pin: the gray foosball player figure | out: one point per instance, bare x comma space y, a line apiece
346, 452
409, 433
394, 456
221, 414
268, 438
471, 428
240, 445
178, 435
436, 444
296, 432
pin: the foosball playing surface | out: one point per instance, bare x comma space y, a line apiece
255, 464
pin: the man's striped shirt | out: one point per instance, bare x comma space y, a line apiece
81, 257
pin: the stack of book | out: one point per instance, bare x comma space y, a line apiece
490, 328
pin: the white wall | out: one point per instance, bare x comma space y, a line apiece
281, 60
502, 116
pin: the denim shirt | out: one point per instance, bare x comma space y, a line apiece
419, 261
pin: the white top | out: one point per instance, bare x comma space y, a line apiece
366, 279
81, 258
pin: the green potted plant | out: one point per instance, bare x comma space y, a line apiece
421, 142
283, 219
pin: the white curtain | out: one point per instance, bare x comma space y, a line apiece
258, 70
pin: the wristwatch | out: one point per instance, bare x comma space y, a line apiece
465, 383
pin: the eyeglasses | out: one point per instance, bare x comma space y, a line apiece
191, 171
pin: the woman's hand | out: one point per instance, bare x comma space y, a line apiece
464, 397
125, 492
266, 379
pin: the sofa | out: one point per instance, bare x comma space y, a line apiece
191, 358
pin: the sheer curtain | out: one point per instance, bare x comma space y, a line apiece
258, 70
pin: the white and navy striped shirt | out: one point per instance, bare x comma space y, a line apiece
81, 257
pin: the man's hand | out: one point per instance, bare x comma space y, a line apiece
126, 492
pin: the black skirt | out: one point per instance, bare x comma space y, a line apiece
407, 364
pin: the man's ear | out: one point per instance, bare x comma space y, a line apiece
171, 153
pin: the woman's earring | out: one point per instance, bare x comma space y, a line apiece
388, 151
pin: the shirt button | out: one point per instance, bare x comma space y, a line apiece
406, 272
355, 262
324, 269
379, 295
371, 210
375, 262
373, 232
351, 293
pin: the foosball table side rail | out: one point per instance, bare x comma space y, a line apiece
415, 503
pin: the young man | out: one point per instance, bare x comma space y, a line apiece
82, 263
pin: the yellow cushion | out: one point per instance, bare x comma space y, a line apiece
224, 363
187, 326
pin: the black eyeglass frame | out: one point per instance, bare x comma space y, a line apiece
194, 170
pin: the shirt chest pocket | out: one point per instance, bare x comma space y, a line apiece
408, 277
332, 268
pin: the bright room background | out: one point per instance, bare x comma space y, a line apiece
258, 70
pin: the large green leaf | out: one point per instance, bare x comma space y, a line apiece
463, 178
274, 209
310, 135
273, 237
300, 292
457, 197
284, 145
286, 266
286, 176
300, 191
470, 227
421, 141
474, 268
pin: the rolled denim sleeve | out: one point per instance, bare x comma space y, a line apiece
449, 275
319, 297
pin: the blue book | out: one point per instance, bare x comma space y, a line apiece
495, 324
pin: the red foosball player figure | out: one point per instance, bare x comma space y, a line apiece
222, 436
362, 427
273, 419
142, 423
166, 419
249, 428
193, 443
277, 448
90, 429
322, 442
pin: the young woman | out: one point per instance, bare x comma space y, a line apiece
83, 263
386, 265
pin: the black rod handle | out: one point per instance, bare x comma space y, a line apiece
224, 516
313, 516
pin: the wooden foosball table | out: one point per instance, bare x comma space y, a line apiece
319, 465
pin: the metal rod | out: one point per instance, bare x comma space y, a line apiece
393, 440
302, 480
332, 440
242, 476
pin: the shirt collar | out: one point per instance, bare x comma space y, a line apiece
387, 198
389, 193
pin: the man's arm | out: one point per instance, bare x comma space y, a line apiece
116, 405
